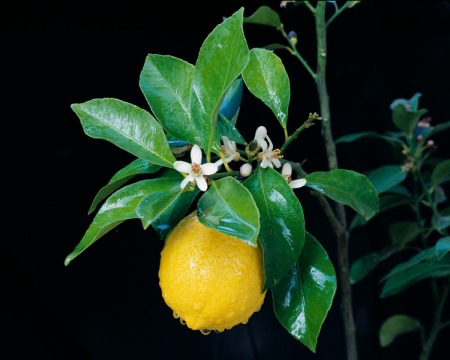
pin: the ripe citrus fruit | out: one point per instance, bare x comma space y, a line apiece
211, 281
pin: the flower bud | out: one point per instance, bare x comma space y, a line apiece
245, 170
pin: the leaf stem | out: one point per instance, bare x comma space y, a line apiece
308, 123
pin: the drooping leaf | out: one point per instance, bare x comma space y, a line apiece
347, 187
267, 79
304, 296
403, 232
222, 57
282, 233
166, 83
136, 167
386, 177
124, 205
395, 326
441, 173
227, 206
442, 247
406, 120
264, 15
126, 126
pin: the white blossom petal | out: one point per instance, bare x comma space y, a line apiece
276, 162
187, 180
182, 166
196, 154
286, 170
261, 132
209, 168
201, 183
298, 183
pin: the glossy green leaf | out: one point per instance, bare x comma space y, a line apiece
441, 173
347, 187
226, 128
123, 205
227, 206
386, 177
126, 126
264, 15
395, 326
282, 233
397, 281
136, 167
267, 79
232, 101
367, 134
442, 247
406, 120
166, 84
302, 299
222, 57
403, 232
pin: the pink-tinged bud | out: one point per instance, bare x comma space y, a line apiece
245, 170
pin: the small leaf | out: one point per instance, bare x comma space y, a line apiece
227, 206
347, 187
282, 233
440, 222
406, 120
126, 126
120, 206
441, 173
436, 129
136, 167
403, 232
397, 325
367, 134
264, 15
304, 296
166, 84
412, 104
363, 266
267, 79
222, 57
386, 177
442, 247
226, 128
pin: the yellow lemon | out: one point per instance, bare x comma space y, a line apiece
211, 281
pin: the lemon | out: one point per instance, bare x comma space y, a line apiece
211, 281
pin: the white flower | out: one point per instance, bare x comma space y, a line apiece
268, 156
286, 171
196, 171
245, 170
229, 151
260, 136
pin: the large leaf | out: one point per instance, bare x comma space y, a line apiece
304, 296
264, 15
227, 206
126, 204
347, 187
166, 84
136, 167
266, 78
222, 57
386, 177
282, 233
397, 325
406, 120
126, 126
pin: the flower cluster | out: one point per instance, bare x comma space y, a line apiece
261, 148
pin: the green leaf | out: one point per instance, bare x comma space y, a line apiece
264, 15
226, 128
397, 325
222, 57
363, 266
347, 187
124, 204
126, 126
440, 222
282, 233
436, 129
386, 177
232, 101
442, 247
441, 173
367, 134
227, 206
166, 83
304, 296
403, 232
136, 167
406, 120
414, 270
266, 78
412, 104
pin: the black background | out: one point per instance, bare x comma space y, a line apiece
107, 304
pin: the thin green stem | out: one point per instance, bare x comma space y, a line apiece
338, 12
307, 124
